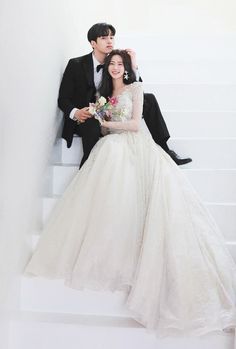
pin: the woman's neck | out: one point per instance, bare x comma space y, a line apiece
118, 86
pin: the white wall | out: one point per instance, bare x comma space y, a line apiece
36, 40
156, 17
35, 37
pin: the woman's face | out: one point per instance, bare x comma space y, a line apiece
116, 67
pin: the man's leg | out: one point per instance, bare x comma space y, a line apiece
157, 126
154, 120
90, 133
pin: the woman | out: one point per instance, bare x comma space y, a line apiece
131, 221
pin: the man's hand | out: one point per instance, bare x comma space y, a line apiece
132, 55
82, 115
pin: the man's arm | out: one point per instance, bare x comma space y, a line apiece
67, 89
66, 92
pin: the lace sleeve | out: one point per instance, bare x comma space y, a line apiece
137, 107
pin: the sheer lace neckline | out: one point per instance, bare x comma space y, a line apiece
121, 93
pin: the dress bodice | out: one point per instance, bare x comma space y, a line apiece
123, 109
127, 113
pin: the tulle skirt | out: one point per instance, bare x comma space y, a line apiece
130, 220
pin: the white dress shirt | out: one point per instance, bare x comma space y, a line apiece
97, 80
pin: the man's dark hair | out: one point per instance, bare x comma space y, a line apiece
100, 29
106, 86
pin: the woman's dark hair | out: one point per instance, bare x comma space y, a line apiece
106, 86
100, 29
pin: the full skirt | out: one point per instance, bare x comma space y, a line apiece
130, 220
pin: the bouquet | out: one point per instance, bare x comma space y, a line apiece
102, 109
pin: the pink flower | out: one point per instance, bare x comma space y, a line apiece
113, 100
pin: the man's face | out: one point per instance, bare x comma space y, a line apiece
104, 44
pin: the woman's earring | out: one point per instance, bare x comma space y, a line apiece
126, 75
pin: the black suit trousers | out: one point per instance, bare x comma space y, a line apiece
155, 121
90, 132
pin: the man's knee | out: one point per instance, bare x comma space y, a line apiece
149, 98
90, 128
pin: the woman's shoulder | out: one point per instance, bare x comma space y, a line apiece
137, 85
136, 89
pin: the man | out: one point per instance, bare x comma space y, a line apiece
78, 88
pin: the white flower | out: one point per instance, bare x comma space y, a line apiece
92, 108
102, 100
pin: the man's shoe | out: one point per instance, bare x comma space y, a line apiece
177, 159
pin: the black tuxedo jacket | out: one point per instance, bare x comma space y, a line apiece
77, 90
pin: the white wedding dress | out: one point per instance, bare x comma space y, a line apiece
131, 221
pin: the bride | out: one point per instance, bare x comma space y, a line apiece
131, 221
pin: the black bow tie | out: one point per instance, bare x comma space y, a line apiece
99, 66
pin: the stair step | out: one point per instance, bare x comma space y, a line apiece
71, 155
212, 185
62, 176
188, 71
225, 216
195, 97
201, 124
206, 153
73, 318
40, 294
61, 331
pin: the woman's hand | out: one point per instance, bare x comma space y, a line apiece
132, 55
104, 123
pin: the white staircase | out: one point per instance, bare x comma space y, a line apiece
200, 111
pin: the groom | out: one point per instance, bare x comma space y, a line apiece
78, 88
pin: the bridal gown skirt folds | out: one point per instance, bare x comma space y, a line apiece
130, 220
